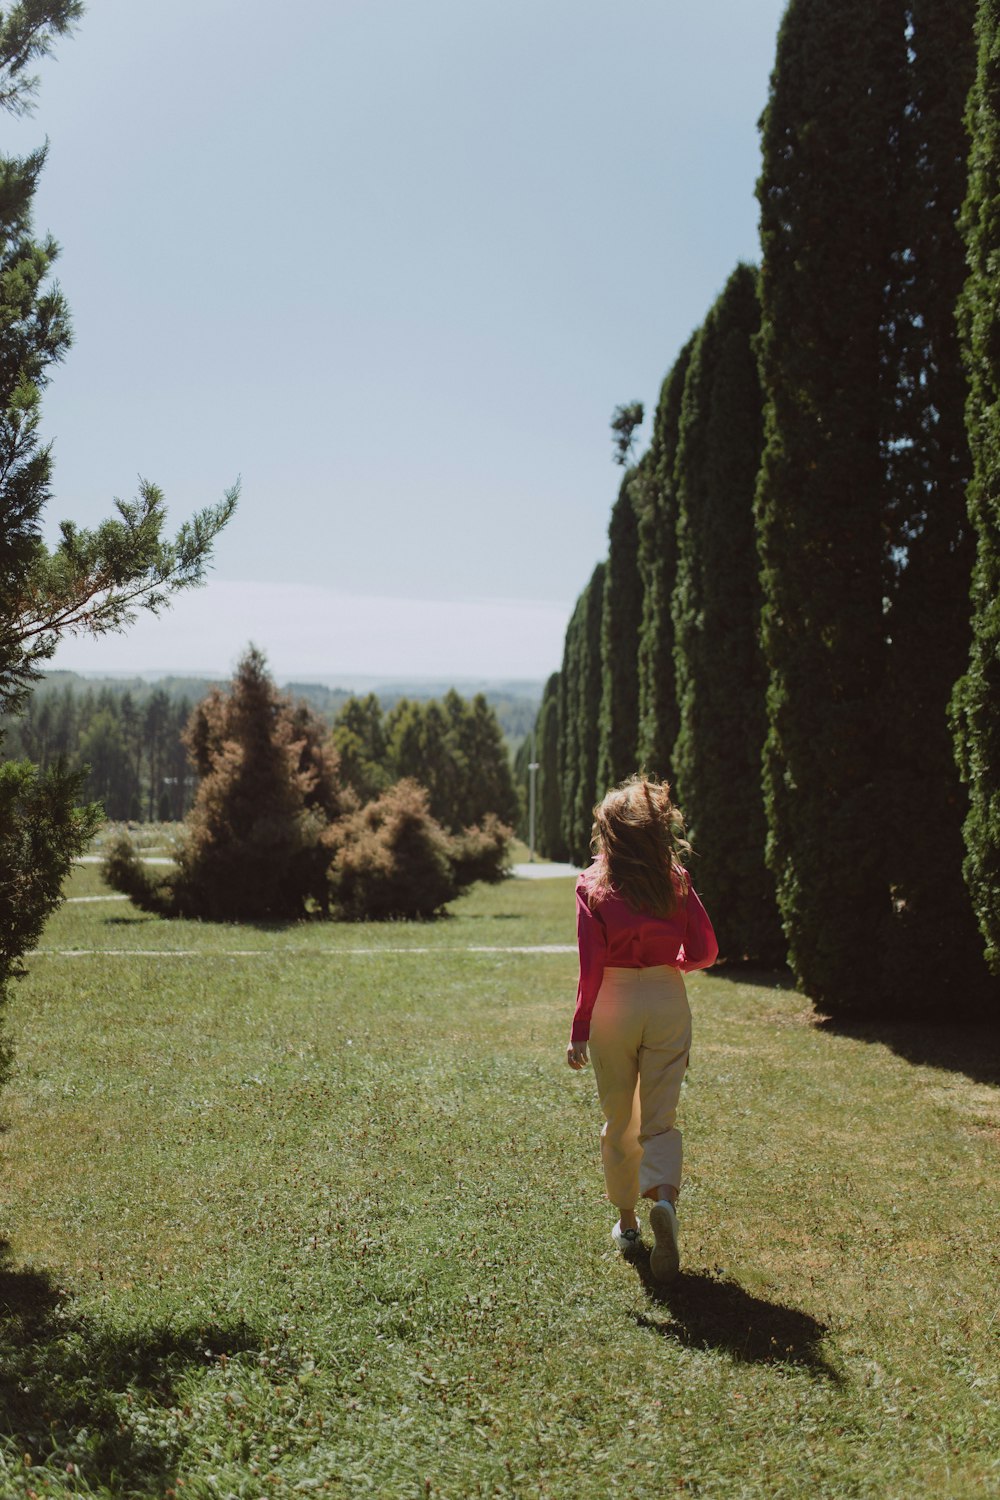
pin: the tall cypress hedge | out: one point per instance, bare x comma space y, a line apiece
826, 224
977, 696
579, 707
655, 500
935, 951
548, 826
618, 723
721, 677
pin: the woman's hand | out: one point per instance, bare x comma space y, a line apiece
576, 1055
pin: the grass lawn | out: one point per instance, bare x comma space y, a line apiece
318, 1209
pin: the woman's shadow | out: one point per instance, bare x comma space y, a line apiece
705, 1311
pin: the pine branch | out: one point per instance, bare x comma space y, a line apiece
27, 33
96, 581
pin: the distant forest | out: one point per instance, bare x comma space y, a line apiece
129, 731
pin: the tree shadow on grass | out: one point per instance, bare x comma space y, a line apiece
956, 1047
954, 1044
284, 925
490, 916
68, 1384
712, 1312
739, 972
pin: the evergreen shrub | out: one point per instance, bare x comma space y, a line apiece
481, 852
455, 748
976, 704
41, 831
930, 543
551, 843
654, 494
274, 836
827, 233
390, 859
579, 712
254, 845
720, 672
621, 619
123, 870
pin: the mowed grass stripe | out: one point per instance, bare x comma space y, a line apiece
301, 952
343, 1232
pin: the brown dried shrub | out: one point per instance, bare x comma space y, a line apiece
391, 859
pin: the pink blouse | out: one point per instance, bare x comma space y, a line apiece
611, 935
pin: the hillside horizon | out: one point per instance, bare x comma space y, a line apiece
350, 682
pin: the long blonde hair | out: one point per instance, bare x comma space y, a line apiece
638, 840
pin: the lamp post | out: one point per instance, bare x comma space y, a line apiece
532, 773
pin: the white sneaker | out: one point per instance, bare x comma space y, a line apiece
626, 1239
665, 1256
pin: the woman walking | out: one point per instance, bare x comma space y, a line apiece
640, 927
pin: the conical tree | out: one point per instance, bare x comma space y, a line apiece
580, 702
828, 241
655, 500
523, 756
721, 677
254, 847
454, 749
551, 842
421, 749
977, 696
92, 581
486, 782
618, 719
569, 719
359, 736
930, 545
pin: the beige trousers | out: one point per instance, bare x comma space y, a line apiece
640, 1037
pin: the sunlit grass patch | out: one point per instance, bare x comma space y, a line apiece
515, 913
328, 1217
149, 838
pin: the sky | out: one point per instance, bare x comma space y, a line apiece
394, 266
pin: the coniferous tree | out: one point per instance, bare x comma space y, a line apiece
858, 715
827, 234
66, 724
522, 782
105, 754
392, 859
618, 719
655, 499
421, 750
360, 738
551, 842
255, 846
178, 781
977, 696
156, 729
580, 702
133, 762
624, 421
569, 720
930, 545
721, 677
566, 738
489, 781
40, 827
92, 581
272, 835
130, 729
455, 749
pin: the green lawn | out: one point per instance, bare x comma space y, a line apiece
317, 1209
